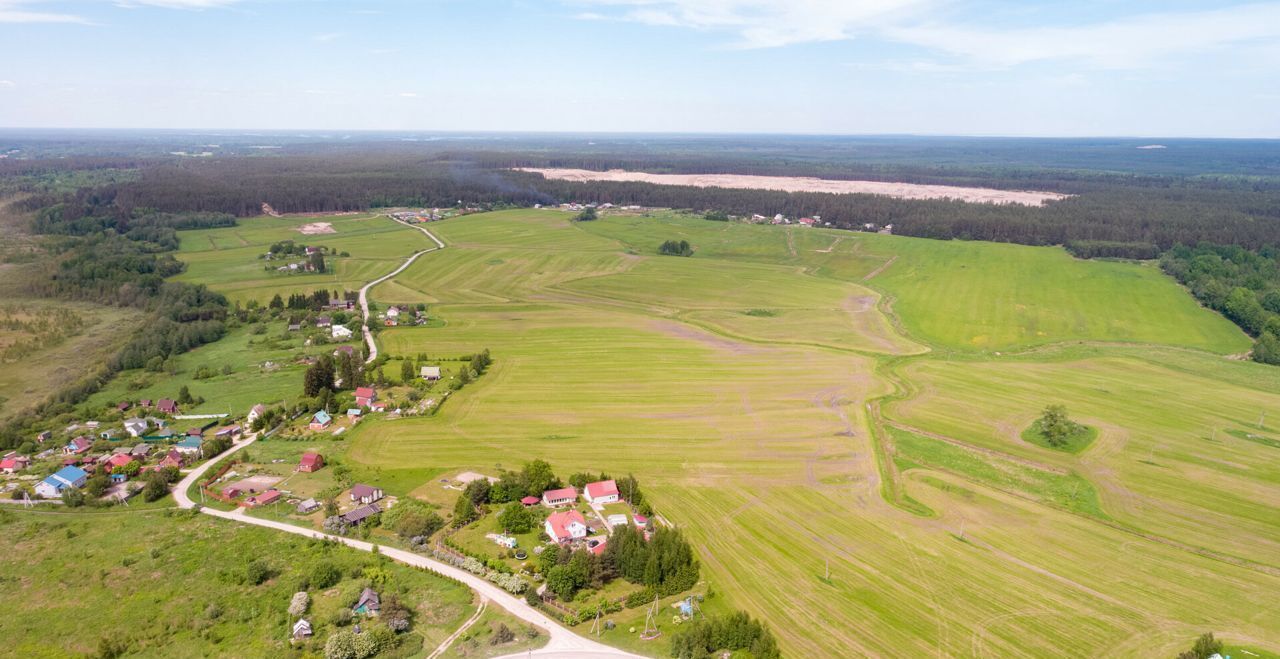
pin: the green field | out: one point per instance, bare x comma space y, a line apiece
771, 389
228, 259
173, 585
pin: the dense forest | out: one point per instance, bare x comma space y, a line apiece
1110, 214
1242, 285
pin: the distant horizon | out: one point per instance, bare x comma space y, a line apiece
329, 133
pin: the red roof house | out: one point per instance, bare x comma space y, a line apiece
566, 525
365, 396
14, 464
167, 406
564, 496
173, 459
601, 492
268, 497
77, 446
119, 460
530, 501
311, 462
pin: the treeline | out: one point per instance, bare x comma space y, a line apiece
1108, 207
1242, 285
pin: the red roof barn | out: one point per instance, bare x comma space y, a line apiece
311, 462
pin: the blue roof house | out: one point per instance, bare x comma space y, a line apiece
67, 477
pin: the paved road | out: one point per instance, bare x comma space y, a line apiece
364, 292
562, 643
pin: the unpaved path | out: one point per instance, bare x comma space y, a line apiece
364, 292
562, 643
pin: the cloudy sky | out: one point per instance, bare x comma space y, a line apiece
981, 67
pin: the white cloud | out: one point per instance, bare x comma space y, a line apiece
7, 83
1124, 43
939, 25
326, 37
15, 11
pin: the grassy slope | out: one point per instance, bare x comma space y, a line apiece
761, 451
152, 578
33, 378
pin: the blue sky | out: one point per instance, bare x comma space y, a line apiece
1081, 68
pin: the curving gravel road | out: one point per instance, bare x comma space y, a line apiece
364, 292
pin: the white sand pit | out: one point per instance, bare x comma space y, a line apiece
805, 184
316, 228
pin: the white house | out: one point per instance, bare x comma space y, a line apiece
601, 492
393, 312
566, 525
340, 332
135, 427
430, 372
256, 412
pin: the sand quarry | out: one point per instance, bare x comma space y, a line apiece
803, 184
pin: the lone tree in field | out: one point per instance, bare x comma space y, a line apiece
587, 215
1206, 646
1056, 426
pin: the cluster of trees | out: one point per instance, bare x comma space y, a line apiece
1110, 249
588, 214
534, 478
675, 248
1242, 284
736, 631
316, 301
664, 563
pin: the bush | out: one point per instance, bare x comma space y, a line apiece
298, 605
257, 572
502, 634
324, 575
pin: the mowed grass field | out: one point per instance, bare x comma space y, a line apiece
228, 259
733, 388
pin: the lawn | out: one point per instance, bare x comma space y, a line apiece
741, 390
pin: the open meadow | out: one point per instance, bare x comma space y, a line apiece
173, 584
802, 401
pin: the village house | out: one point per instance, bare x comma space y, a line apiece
294, 327
119, 460
359, 515
430, 372
302, 629
369, 604
365, 396
67, 477
353, 414
231, 491
324, 321
14, 463
393, 312
140, 450
266, 498
349, 350
340, 332
195, 432
320, 420
308, 506
144, 403
311, 462
44, 436
77, 446
123, 406
167, 406
172, 459
365, 494
378, 406
255, 413
136, 427
530, 501
228, 432
601, 492
566, 525
565, 496
189, 446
